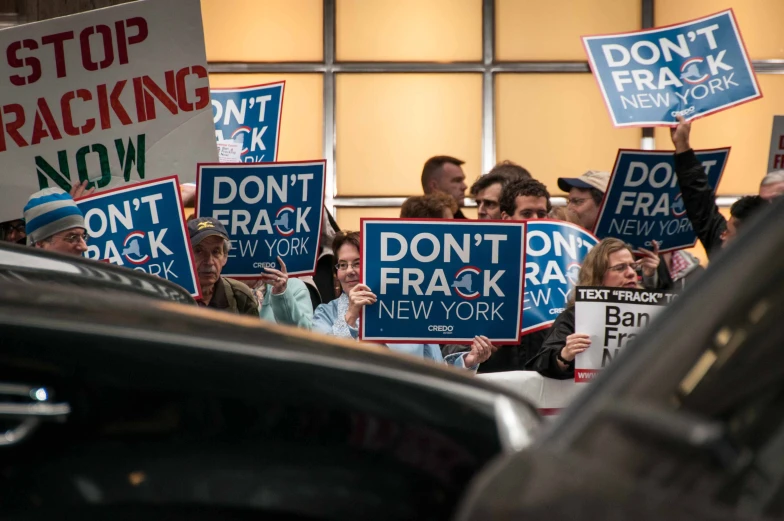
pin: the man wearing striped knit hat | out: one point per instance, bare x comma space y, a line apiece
54, 222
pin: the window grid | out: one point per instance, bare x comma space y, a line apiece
488, 67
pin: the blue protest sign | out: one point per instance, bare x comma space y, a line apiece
643, 200
554, 253
270, 210
142, 227
442, 281
692, 69
250, 116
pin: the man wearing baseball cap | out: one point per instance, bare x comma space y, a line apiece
585, 195
210, 243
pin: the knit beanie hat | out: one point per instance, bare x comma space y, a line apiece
50, 211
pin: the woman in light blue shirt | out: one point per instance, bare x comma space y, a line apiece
339, 317
284, 300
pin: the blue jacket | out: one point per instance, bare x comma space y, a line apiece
330, 319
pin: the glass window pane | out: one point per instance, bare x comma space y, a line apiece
746, 129
348, 216
302, 123
556, 125
268, 31
388, 125
759, 21
533, 30
409, 30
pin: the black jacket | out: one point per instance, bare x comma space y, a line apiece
507, 358
545, 361
700, 202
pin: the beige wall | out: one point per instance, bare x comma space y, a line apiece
387, 124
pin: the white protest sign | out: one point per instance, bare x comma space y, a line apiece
112, 96
229, 152
776, 157
612, 317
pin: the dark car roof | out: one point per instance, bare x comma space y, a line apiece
26, 264
117, 315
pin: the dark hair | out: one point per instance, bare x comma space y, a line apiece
512, 191
433, 165
503, 173
746, 207
342, 238
428, 206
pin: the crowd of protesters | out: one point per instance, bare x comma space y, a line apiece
331, 301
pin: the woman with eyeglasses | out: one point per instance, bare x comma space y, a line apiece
611, 264
340, 316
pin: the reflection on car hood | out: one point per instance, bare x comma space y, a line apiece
35, 265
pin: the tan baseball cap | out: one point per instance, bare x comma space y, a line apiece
591, 179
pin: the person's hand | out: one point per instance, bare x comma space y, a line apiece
680, 135
576, 343
79, 190
481, 350
278, 278
359, 296
650, 260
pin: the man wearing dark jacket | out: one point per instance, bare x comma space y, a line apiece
712, 229
445, 174
210, 242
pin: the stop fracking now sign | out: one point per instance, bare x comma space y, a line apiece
103, 97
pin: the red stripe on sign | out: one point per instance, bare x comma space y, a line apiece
585, 375
549, 412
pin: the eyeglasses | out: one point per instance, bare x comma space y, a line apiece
620, 268
577, 201
343, 266
18, 227
73, 238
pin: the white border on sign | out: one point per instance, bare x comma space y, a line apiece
553, 222
317, 162
745, 54
623, 151
442, 222
282, 85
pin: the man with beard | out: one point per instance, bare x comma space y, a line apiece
210, 243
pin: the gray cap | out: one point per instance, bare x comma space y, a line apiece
50, 211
